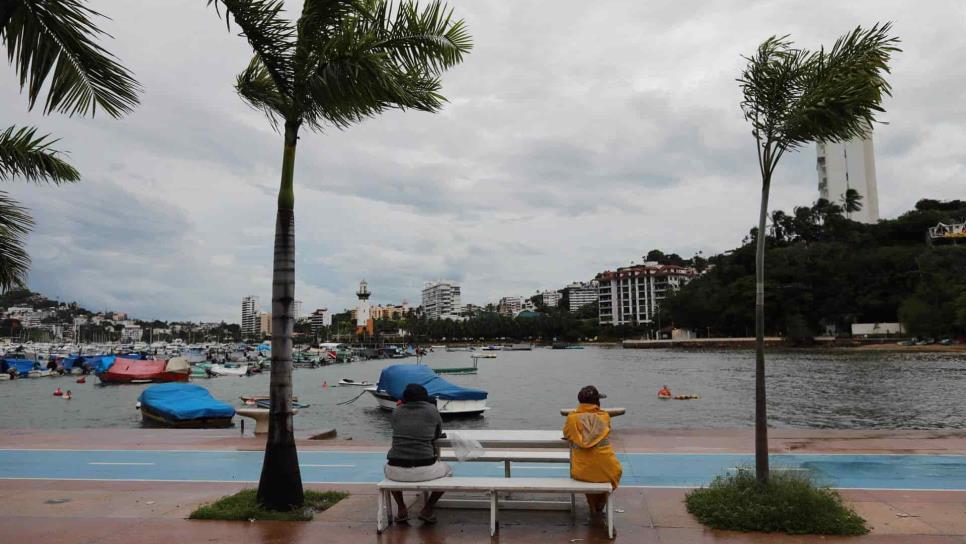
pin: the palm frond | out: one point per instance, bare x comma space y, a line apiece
15, 224
24, 154
270, 35
377, 58
54, 43
257, 87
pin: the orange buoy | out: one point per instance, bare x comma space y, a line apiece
82, 379
58, 392
325, 384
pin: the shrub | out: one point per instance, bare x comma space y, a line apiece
790, 503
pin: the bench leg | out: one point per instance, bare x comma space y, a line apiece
506, 468
493, 508
610, 515
381, 512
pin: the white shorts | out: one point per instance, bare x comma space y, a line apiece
418, 474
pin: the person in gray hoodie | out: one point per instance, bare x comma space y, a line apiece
413, 457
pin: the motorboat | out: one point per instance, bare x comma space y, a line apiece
451, 399
124, 370
183, 405
351, 382
228, 369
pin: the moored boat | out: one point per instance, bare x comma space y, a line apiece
350, 382
451, 399
228, 369
125, 370
183, 405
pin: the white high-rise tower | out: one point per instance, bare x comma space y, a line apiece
249, 316
849, 165
362, 308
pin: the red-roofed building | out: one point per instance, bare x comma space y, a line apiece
632, 294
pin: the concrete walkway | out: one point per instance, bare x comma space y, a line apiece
40, 511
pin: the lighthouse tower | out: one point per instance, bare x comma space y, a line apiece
363, 322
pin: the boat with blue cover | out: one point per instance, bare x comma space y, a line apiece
451, 399
183, 405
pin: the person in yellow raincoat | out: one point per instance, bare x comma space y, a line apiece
592, 459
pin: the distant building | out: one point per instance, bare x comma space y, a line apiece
579, 294
297, 309
550, 299
249, 316
877, 329
849, 165
441, 300
131, 333
510, 306
320, 318
632, 294
265, 323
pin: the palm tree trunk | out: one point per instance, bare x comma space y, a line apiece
761, 417
280, 485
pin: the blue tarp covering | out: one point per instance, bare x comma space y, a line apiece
100, 364
22, 366
184, 401
395, 378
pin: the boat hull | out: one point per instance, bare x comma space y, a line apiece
161, 377
446, 407
154, 418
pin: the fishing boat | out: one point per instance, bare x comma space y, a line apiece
21, 368
125, 370
451, 399
351, 382
228, 369
183, 405
200, 370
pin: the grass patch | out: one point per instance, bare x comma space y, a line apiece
790, 503
243, 506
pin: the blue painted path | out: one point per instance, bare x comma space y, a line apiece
640, 469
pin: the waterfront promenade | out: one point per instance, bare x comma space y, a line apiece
100, 485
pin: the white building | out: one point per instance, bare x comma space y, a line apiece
297, 309
131, 333
550, 299
362, 307
632, 294
441, 300
320, 318
849, 165
579, 294
249, 316
510, 306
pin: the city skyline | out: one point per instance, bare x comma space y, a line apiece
530, 179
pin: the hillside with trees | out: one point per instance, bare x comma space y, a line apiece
826, 272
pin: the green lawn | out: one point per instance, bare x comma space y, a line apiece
243, 506
790, 503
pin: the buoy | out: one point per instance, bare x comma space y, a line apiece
58, 392
325, 384
67, 395
82, 379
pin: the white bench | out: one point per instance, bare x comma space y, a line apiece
508, 457
491, 486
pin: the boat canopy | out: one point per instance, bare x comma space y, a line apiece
177, 364
395, 378
184, 401
100, 363
22, 366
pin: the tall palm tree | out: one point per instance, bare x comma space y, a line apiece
792, 97
851, 202
341, 62
51, 44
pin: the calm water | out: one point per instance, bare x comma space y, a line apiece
818, 389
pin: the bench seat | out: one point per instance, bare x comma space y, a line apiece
492, 486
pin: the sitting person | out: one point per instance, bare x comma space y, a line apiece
664, 392
416, 425
592, 459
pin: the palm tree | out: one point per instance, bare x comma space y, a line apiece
851, 202
341, 62
793, 97
51, 44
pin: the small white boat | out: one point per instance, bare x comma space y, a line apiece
228, 370
350, 382
451, 400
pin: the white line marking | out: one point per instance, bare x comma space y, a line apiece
120, 463
326, 466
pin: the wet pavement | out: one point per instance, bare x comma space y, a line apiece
97, 511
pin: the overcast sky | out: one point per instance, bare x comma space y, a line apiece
576, 138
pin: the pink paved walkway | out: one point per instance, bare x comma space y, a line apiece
70, 512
